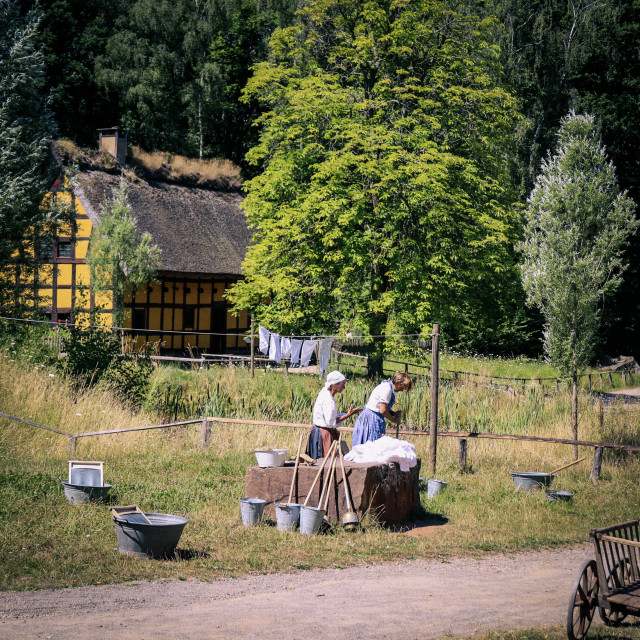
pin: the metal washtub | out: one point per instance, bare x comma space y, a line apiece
138, 538
81, 493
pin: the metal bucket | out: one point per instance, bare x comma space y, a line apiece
138, 538
85, 477
558, 496
531, 481
81, 494
251, 510
310, 519
287, 516
434, 487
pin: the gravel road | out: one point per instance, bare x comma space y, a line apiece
406, 600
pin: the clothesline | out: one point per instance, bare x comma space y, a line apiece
244, 334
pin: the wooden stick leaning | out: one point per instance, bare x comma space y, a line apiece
315, 481
295, 470
331, 467
332, 473
566, 465
344, 483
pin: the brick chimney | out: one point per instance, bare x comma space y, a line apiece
114, 141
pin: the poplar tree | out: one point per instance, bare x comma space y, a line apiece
578, 223
382, 201
120, 257
26, 126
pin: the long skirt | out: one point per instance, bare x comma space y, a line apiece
320, 440
370, 425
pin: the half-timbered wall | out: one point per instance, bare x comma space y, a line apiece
164, 311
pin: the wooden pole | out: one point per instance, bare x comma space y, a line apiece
206, 432
433, 428
72, 446
252, 345
462, 457
597, 465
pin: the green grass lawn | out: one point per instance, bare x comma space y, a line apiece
47, 542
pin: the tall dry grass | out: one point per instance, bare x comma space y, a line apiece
44, 541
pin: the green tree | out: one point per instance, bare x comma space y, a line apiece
578, 222
120, 257
382, 201
178, 68
72, 35
26, 126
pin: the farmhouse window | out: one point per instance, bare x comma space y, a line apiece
64, 249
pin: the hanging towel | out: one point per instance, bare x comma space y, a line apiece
285, 348
296, 345
308, 347
324, 353
264, 340
274, 347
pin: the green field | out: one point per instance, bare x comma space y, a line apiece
47, 542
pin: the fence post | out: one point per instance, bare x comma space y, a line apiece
433, 430
72, 445
206, 432
597, 465
462, 457
252, 345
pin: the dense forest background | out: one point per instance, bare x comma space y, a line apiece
172, 74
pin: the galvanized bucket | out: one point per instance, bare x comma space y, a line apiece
287, 516
531, 481
251, 510
81, 494
434, 487
310, 519
558, 496
136, 537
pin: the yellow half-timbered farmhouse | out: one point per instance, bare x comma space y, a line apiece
202, 235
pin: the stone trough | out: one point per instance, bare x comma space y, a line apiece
380, 488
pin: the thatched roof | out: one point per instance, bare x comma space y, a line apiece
200, 231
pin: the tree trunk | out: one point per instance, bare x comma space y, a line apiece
574, 409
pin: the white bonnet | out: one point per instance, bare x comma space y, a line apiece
334, 377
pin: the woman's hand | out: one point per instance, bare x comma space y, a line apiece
352, 410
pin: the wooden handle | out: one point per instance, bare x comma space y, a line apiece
344, 482
330, 467
332, 473
566, 465
313, 486
295, 470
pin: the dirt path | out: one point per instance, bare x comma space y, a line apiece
408, 600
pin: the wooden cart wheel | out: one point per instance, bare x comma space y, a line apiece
582, 605
618, 577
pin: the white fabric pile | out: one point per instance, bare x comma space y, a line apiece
383, 450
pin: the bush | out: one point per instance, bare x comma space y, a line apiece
128, 377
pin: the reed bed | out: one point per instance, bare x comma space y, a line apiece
47, 542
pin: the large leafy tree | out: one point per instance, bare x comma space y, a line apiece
26, 126
382, 201
578, 222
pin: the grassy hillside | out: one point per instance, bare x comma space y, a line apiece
46, 542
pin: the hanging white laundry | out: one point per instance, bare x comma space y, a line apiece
324, 353
274, 347
264, 340
296, 345
308, 347
285, 348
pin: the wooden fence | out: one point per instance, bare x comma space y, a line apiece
464, 436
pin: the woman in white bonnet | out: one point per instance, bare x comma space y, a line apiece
325, 416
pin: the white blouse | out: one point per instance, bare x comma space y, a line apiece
325, 411
382, 393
